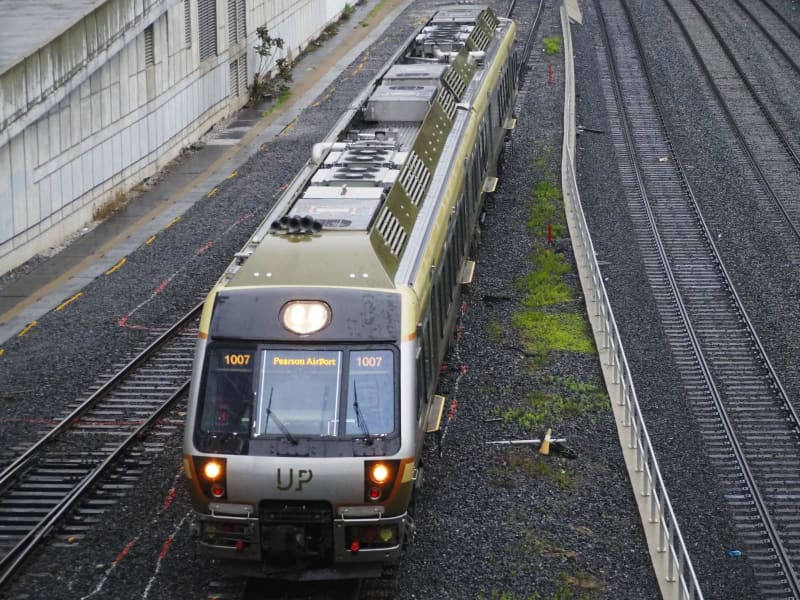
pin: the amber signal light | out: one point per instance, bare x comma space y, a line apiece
211, 472
379, 478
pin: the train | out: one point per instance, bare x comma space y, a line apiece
314, 383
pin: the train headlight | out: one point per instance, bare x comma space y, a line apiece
212, 470
379, 479
211, 476
379, 473
306, 316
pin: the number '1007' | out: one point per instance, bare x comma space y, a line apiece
369, 361
237, 360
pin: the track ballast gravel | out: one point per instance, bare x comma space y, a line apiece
490, 525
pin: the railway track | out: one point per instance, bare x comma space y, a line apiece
747, 422
775, 163
42, 487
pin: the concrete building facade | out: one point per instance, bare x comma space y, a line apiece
98, 96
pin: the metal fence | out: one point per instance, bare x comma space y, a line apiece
671, 561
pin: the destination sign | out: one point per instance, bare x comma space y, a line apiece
303, 361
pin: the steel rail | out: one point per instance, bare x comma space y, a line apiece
12, 559
36, 536
671, 560
725, 106
9, 472
681, 307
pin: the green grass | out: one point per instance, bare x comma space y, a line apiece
552, 45
544, 285
552, 319
557, 400
526, 461
282, 97
375, 9
570, 583
544, 332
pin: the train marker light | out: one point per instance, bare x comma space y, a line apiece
217, 491
306, 316
374, 493
212, 470
386, 534
379, 473
355, 546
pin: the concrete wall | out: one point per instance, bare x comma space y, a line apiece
117, 96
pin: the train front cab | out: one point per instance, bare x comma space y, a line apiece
312, 475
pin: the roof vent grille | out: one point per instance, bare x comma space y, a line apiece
414, 178
394, 236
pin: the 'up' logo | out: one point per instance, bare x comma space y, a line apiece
303, 477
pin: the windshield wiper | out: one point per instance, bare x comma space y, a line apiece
281, 426
362, 423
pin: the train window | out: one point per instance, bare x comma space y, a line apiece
436, 312
422, 389
228, 392
455, 254
427, 354
442, 301
298, 393
469, 181
463, 226
476, 182
370, 408
503, 93
448, 272
451, 259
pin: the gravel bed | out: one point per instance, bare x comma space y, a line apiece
489, 525
768, 289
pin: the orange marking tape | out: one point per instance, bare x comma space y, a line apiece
165, 548
453, 409
125, 551
288, 126
27, 328
66, 303
171, 495
116, 266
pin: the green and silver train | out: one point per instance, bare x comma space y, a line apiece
320, 347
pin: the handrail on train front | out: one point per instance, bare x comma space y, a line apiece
671, 561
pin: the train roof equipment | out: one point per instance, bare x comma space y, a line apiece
352, 209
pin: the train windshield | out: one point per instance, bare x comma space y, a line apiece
228, 395
298, 393
293, 393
